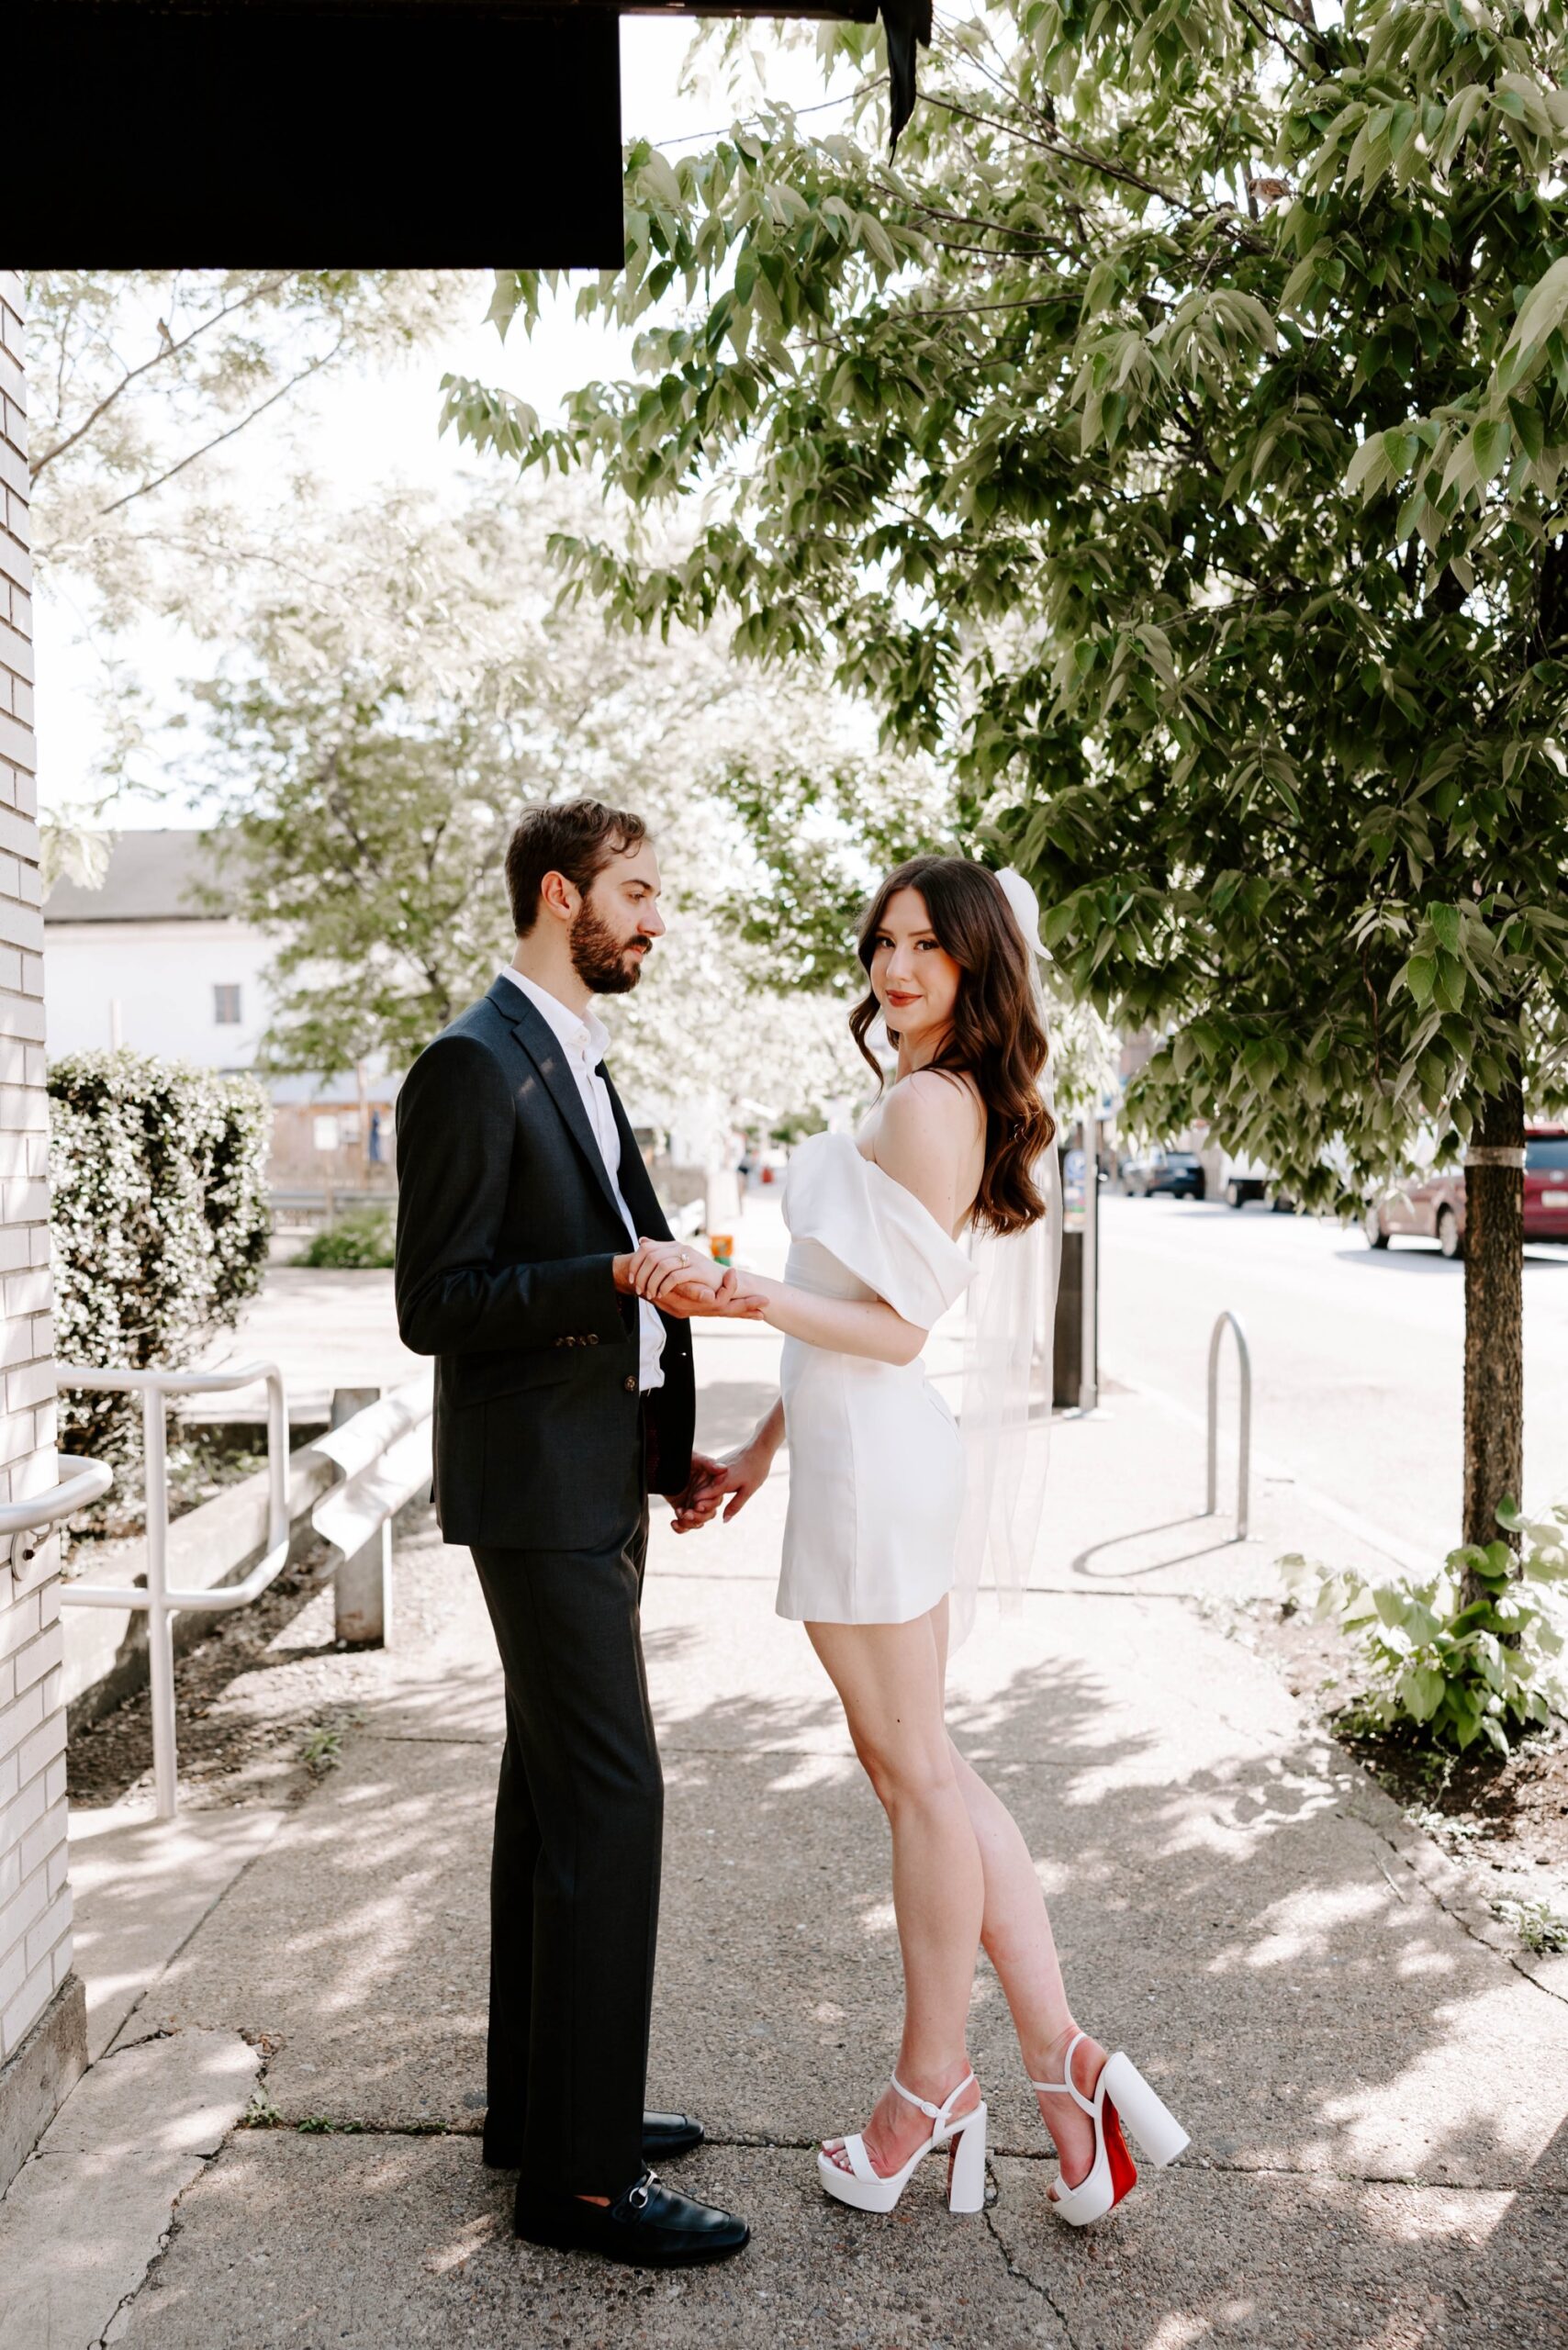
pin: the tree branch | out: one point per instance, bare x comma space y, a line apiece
312, 368
160, 357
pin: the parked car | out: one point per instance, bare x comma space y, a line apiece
1241, 1180
1176, 1172
1431, 1207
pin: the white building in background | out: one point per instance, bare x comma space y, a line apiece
143, 962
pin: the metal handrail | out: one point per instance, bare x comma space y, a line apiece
1244, 1435
162, 1604
85, 1481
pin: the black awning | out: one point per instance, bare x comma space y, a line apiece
376, 133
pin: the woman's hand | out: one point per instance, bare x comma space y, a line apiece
738, 1476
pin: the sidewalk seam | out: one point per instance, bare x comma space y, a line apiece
1427, 1864
1032, 2155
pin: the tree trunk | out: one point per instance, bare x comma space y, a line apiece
1493, 1315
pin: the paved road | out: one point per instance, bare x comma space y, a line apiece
1357, 1353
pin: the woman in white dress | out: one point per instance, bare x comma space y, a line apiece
875, 1497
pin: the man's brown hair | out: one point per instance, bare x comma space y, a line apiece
576, 837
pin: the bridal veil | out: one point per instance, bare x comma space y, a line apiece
1005, 1399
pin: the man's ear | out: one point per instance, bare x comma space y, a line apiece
559, 897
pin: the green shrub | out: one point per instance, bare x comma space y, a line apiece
159, 1221
1453, 1672
356, 1243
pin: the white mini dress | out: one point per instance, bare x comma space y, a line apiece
876, 1460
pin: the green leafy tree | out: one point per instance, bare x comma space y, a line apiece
1176, 431
138, 379
383, 714
143, 385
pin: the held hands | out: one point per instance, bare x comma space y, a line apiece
680, 1280
738, 1476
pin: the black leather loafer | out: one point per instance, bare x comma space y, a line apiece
648, 2226
664, 2135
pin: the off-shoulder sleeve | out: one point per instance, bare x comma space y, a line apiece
876, 1228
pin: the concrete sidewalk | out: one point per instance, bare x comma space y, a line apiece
1376, 2085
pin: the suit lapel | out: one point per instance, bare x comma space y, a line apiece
542, 1046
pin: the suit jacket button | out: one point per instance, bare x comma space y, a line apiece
629, 1385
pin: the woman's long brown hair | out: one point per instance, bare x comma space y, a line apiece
996, 1038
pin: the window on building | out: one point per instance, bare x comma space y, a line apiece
325, 1130
225, 1006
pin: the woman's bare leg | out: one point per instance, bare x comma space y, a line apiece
1017, 1934
889, 1678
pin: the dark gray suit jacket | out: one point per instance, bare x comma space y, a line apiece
507, 1227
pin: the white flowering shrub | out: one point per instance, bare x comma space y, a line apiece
159, 1221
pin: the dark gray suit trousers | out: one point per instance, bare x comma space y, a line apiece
575, 1874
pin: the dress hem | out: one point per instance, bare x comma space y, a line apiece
816, 1615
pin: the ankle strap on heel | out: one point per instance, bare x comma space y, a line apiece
1068, 2088
936, 2113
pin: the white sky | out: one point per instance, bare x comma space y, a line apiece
361, 430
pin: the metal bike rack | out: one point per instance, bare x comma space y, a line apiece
77, 1483
1244, 1432
162, 1604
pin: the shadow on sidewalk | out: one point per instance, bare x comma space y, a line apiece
1375, 2099
1080, 1564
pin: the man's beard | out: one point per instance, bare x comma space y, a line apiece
599, 959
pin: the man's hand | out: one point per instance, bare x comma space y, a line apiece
684, 1283
710, 1480
632, 1272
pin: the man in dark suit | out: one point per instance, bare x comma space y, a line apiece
561, 1399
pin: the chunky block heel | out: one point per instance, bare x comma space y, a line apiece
1146, 2114
1121, 2094
966, 2183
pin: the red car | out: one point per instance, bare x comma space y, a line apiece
1432, 1206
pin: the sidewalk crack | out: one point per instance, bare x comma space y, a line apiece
1024, 2278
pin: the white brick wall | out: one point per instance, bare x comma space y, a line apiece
35, 1898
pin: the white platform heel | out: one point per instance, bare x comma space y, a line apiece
863, 2187
1121, 2090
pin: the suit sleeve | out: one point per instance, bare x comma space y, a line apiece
456, 1123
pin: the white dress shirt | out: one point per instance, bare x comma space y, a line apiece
585, 1043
